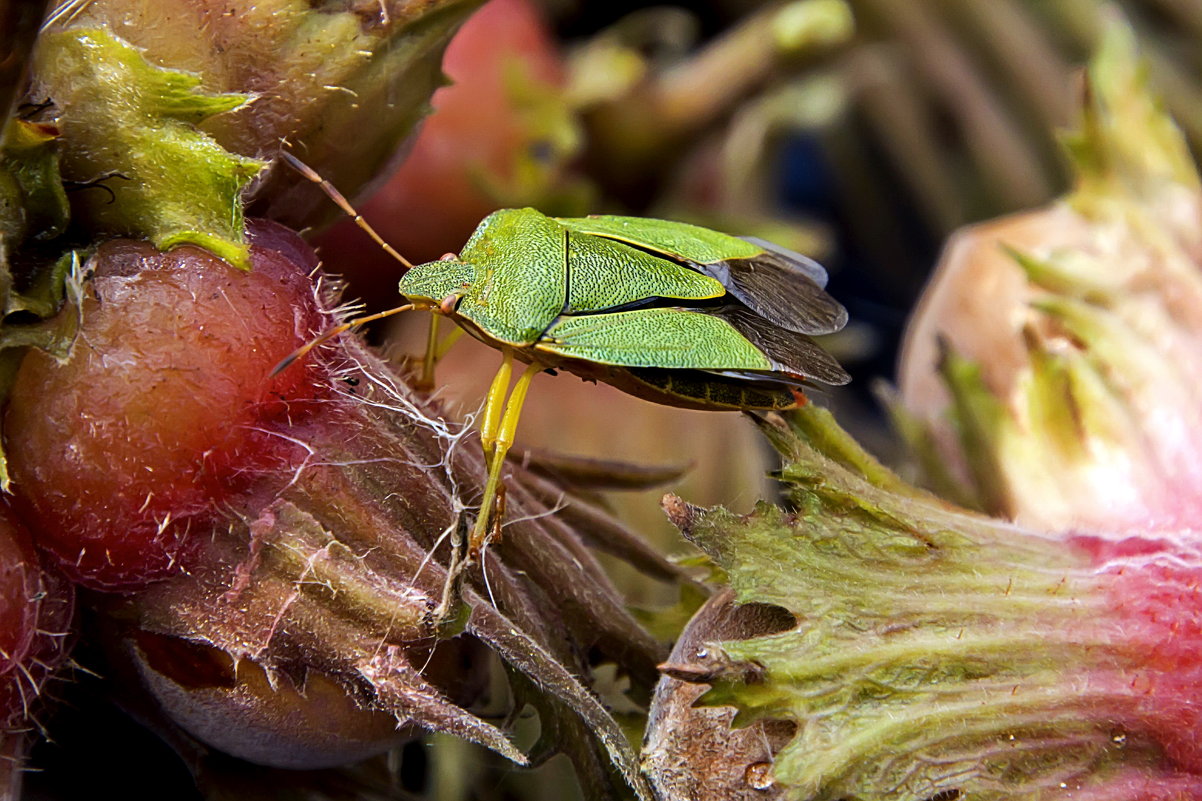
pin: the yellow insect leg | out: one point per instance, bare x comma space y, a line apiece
435, 350
490, 423
426, 379
447, 342
501, 444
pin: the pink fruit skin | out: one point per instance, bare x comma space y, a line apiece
1154, 589
20, 584
19, 571
35, 615
124, 453
41, 624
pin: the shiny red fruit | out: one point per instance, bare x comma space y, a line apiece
35, 611
123, 454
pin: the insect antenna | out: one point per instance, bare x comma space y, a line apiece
333, 194
333, 332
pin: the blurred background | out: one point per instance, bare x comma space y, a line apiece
860, 132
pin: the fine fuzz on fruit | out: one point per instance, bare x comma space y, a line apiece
36, 607
125, 451
35, 612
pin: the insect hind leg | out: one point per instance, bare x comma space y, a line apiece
499, 437
494, 404
500, 448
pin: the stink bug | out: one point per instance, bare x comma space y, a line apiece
670, 312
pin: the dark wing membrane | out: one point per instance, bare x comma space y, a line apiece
779, 286
789, 352
803, 263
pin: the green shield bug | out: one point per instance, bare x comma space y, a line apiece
670, 312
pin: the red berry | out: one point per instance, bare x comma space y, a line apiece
19, 573
35, 611
124, 452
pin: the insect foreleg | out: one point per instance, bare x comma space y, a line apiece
426, 379
435, 350
447, 342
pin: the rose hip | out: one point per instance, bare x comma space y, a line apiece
35, 613
124, 452
19, 587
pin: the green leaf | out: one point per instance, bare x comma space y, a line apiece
33, 209
33, 202
127, 119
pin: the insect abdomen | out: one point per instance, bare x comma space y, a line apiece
695, 389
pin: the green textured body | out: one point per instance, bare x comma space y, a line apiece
658, 309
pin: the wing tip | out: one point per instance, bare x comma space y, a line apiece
809, 267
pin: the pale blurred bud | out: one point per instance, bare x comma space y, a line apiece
1054, 355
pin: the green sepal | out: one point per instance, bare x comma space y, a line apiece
10, 362
33, 202
934, 648
54, 331
40, 291
1126, 147
33, 209
921, 441
1070, 274
123, 117
982, 422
